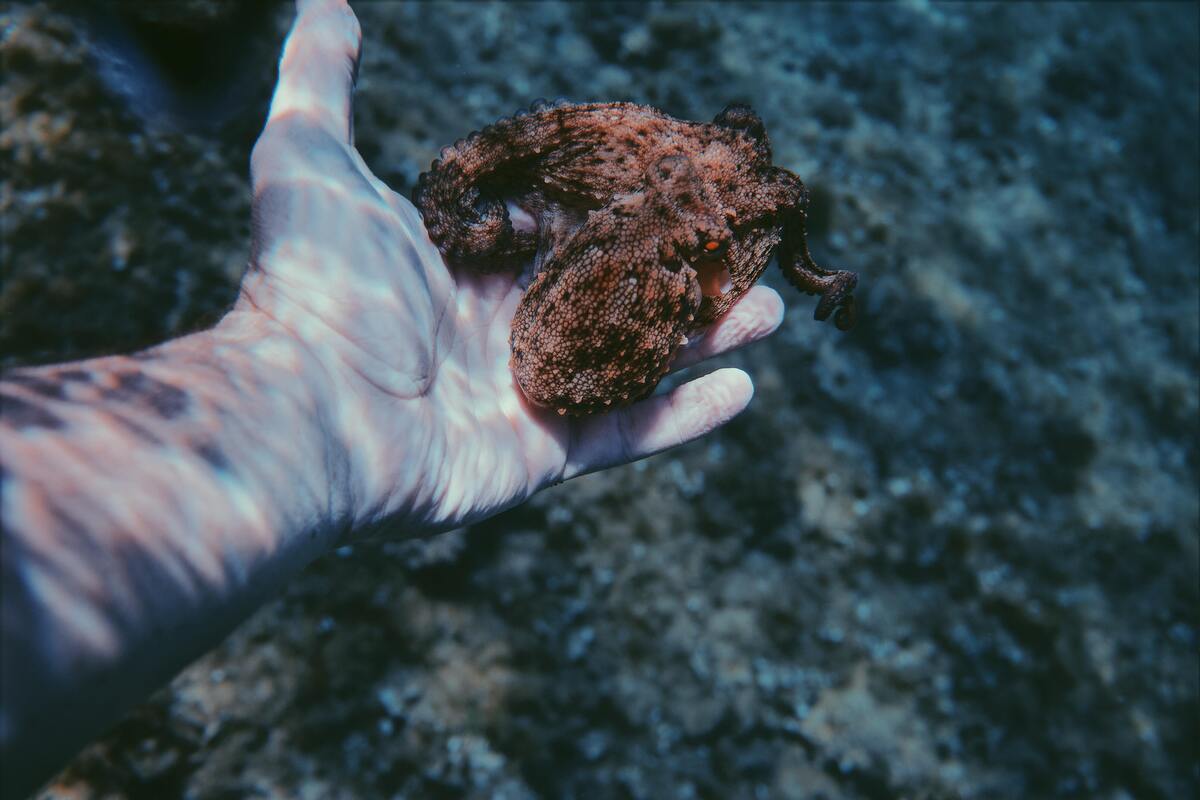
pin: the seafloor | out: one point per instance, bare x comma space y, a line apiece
953, 553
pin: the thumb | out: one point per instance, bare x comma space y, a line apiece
319, 66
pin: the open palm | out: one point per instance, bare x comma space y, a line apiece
434, 431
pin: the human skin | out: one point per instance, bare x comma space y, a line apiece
358, 386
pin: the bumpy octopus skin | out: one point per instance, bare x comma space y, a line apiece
646, 229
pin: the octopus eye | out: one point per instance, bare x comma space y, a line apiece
714, 247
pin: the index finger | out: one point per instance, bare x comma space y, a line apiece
658, 423
755, 316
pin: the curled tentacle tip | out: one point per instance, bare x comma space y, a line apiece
841, 306
825, 307
846, 316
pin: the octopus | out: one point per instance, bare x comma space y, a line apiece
641, 230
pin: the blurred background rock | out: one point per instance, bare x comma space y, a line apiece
953, 553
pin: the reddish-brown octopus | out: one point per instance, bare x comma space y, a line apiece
642, 228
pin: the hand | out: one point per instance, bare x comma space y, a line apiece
434, 430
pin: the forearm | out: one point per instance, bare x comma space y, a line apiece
148, 503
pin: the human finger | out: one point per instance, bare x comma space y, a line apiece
319, 66
755, 316
658, 423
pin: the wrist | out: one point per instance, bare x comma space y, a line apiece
304, 470
358, 401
